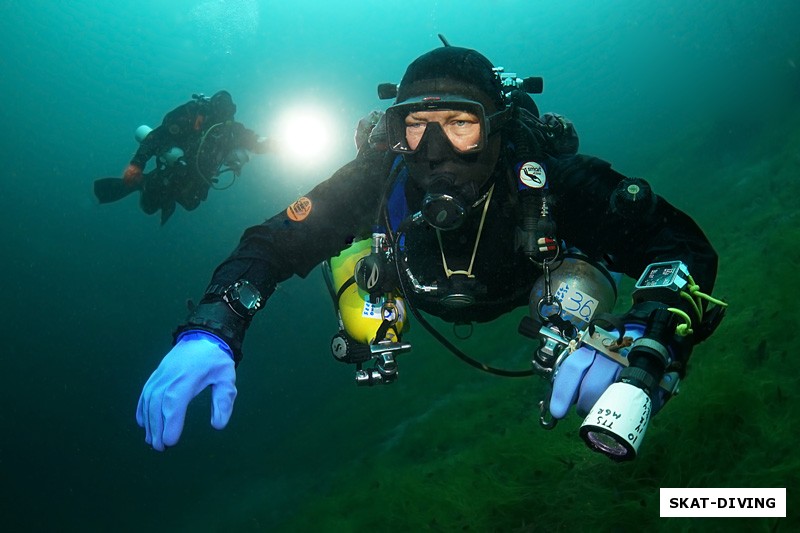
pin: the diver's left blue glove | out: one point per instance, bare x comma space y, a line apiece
584, 376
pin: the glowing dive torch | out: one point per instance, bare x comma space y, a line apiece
617, 423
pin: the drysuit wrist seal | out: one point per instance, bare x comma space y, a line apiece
217, 317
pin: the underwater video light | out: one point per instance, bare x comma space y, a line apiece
617, 422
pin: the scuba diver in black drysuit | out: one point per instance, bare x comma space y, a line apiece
468, 198
194, 144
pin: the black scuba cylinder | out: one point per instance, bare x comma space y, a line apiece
536, 233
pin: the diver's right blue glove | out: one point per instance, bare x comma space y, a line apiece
584, 376
198, 360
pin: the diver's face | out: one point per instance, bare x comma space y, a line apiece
447, 150
462, 128
449, 159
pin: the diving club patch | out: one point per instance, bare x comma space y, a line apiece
300, 209
532, 175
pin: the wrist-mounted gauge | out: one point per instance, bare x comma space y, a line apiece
242, 297
662, 282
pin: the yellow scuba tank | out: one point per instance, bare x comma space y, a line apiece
361, 319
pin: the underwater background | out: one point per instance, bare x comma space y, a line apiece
700, 98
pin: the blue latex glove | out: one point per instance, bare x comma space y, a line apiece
198, 360
584, 376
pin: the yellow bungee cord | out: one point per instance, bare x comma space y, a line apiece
693, 295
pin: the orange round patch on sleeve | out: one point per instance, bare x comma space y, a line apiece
300, 209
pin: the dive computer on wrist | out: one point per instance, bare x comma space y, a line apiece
242, 297
662, 281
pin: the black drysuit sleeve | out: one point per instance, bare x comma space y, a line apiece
338, 210
583, 187
245, 138
316, 227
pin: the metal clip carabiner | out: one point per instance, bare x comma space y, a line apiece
546, 419
547, 298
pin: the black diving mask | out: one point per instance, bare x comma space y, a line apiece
407, 133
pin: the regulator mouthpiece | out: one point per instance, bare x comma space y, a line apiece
443, 211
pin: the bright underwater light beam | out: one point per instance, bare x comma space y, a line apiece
305, 134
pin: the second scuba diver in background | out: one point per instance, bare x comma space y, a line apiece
195, 143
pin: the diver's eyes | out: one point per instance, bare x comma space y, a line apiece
462, 128
464, 118
415, 129
461, 123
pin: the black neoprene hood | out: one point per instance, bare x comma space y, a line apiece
222, 106
451, 70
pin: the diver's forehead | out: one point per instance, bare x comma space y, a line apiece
440, 114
